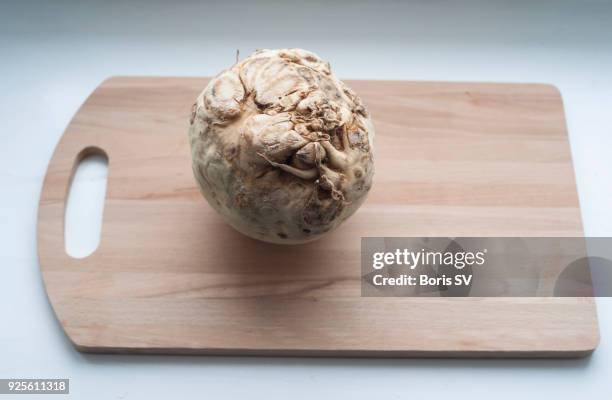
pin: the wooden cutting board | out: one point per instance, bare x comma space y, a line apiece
169, 276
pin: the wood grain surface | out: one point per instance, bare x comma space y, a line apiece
169, 276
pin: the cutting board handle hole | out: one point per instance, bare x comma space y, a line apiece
85, 203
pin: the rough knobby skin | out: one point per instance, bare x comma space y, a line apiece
281, 148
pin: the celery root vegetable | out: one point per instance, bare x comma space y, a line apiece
281, 148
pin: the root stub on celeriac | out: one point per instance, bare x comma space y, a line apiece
281, 148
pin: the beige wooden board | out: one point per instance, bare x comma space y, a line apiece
169, 276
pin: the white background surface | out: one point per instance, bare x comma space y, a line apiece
53, 54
